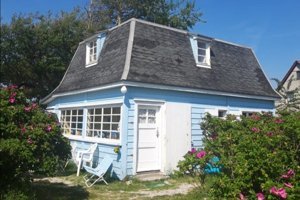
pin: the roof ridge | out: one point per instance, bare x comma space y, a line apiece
129, 50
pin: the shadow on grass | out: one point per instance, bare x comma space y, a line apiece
48, 191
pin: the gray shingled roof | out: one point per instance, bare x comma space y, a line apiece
162, 55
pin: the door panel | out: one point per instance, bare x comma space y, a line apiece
148, 139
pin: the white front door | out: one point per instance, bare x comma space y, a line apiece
148, 151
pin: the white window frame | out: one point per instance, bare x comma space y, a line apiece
206, 60
84, 136
91, 58
69, 129
194, 42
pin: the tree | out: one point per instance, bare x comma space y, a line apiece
290, 98
31, 142
36, 49
180, 14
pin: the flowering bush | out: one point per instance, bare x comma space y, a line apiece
259, 155
194, 164
30, 140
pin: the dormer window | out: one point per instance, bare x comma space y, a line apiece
93, 49
201, 51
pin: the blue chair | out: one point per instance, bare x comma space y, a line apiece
97, 172
212, 167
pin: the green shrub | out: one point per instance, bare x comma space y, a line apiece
30, 140
259, 155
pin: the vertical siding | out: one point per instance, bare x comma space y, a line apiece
197, 114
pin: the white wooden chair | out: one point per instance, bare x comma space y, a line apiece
85, 156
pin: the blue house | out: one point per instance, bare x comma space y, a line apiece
144, 88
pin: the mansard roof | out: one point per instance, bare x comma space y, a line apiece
143, 52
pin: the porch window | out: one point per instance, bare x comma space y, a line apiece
103, 122
71, 121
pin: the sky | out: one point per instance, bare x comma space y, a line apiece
270, 27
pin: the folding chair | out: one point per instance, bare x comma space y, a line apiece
97, 172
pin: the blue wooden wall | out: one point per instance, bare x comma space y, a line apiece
123, 164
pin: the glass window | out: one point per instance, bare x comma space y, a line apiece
298, 75
92, 52
222, 113
71, 121
104, 122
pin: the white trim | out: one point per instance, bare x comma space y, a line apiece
106, 103
161, 107
93, 140
91, 64
129, 50
160, 87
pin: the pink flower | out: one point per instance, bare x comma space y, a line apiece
255, 130
193, 150
242, 197
279, 192
289, 185
278, 121
33, 106
270, 134
48, 128
260, 196
201, 154
27, 109
289, 174
12, 100
255, 117
29, 141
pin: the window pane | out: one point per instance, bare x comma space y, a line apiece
115, 135
201, 59
80, 119
106, 126
80, 112
106, 119
74, 112
68, 112
115, 118
79, 125
151, 113
62, 112
201, 52
67, 119
142, 112
89, 133
107, 110
201, 45
98, 119
142, 120
98, 111
73, 125
105, 134
116, 110
114, 127
151, 120
74, 119
97, 126
91, 111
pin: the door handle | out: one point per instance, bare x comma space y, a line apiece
157, 132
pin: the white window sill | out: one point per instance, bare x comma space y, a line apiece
94, 140
91, 64
204, 65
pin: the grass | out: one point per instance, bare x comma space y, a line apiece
132, 189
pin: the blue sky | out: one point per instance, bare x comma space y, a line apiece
270, 27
